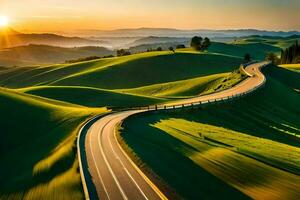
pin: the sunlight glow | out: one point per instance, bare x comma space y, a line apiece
3, 21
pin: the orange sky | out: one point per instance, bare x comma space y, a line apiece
68, 15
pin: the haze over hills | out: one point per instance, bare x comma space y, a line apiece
11, 38
43, 54
168, 32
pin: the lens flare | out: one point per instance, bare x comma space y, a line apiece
3, 21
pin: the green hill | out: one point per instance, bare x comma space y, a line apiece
37, 147
281, 42
124, 72
31, 55
294, 67
258, 51
91, 97
247, 149
190, 87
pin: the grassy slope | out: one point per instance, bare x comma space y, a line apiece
43, 54
293, 67
191, 87
126, 72
257, 51
91, 97
215, 141
281, 42
42, 131
185, 88
51, 126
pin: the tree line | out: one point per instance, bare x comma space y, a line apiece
197, 42
291, 55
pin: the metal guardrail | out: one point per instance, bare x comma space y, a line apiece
201, 103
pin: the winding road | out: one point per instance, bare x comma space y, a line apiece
113, 173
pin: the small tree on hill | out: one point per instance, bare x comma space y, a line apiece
206, 43
180, 46
196, 42
199, 44
272, 57
172, 49
159, 49
247, 57
123, 52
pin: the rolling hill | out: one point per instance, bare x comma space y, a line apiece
247, 149
136, 70
277, 41
257, 50
38, 158
33, 55
11, 38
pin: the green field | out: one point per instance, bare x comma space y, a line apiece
48, 104
45, 106
281, 42
293, 67
91, 97
257, 50
38, 154
247, 149
124, 72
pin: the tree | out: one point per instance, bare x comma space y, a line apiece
272, 57
123, 52
247, 57
180, 46
196, 42
172, 49
199, 44
291, 55
205, 44
159, 49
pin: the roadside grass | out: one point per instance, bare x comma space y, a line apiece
225, 82
191, 87
246, 149
293, 67
177, 89
38, 151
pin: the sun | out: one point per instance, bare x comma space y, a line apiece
3, 21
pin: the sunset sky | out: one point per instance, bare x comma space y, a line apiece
68, 15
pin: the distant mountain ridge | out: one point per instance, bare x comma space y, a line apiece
11, 38
168, 32
42, 54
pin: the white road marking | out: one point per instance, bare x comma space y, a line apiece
99, 175
107, 164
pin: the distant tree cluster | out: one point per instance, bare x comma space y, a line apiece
172, 49
291, 55
180, 46
199, 43
87, 59
123, 52
273, 58
83, 59
157, 49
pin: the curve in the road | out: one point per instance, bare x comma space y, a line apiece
113, 173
